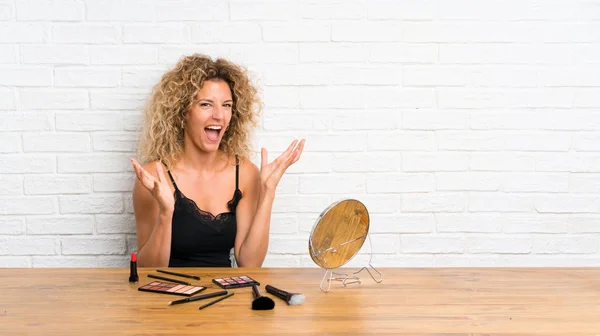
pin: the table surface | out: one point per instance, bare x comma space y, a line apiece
409, 301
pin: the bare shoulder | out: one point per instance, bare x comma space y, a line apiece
152, 166
249, 173
248, 167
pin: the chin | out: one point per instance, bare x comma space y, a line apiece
204, 144
209, 146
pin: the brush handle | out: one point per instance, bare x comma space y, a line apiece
179, 274
278, 292
199, 297
215, 301
255, 291
168, 279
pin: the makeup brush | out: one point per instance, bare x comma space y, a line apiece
179, 274
292, 299
261, 302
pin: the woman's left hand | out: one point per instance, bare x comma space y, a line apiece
271, 173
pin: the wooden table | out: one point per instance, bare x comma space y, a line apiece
419, 301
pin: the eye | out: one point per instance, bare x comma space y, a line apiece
204, 104
228, 105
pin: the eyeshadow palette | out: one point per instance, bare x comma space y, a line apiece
171, 288
235, 282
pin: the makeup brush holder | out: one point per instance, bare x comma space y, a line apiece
337, 236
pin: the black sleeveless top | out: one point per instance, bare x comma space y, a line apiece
199, 238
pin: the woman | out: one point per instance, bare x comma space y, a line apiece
198, 195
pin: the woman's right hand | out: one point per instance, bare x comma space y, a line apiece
158, 186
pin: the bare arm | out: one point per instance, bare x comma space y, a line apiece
153, 210
251, 245
254, 211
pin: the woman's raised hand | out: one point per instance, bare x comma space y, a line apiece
158, 185
271, 173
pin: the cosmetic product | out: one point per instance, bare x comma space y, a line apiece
133, 275
261, 302
180, 274
171, 288
199, 297
168, 279
292, 299
215, 301
235, 282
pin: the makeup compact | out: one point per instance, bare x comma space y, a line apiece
235, 282
171, 288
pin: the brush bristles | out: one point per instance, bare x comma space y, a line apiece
296, 299
263, 303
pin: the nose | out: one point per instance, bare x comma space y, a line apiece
218, 111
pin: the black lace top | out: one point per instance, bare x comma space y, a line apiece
199, 238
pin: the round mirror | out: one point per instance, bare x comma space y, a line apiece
339, 233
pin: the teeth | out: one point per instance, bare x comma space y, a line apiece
218, 128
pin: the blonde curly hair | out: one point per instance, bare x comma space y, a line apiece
173, 96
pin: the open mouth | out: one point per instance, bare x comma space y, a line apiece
213, 132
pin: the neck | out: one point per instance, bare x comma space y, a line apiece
195, 159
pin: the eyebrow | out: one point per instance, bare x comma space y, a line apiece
210, 100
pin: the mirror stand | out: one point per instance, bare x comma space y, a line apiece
344, 278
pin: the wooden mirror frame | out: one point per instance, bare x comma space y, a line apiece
339, 233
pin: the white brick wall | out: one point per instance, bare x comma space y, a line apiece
471, 130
